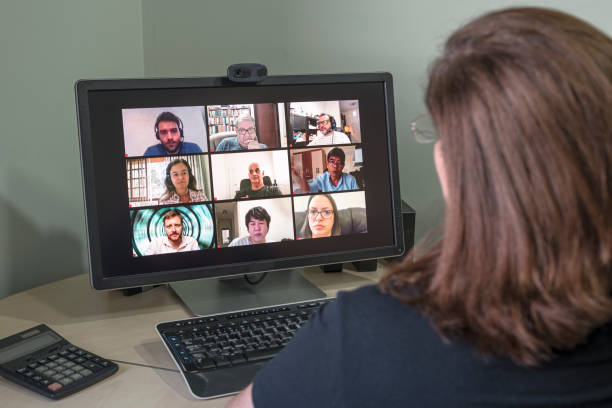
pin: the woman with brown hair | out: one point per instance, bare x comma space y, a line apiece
512, 306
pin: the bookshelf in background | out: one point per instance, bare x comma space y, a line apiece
222, 118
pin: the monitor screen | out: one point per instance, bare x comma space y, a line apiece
202, 177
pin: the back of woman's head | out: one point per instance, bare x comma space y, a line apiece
522, 102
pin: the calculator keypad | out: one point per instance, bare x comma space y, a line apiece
62, 369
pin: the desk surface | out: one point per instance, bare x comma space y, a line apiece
122, 329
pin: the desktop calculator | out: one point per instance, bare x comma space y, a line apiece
45, 362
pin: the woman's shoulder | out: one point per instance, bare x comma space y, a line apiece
368, 310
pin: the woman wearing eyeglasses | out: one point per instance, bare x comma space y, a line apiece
512, 307
321, 218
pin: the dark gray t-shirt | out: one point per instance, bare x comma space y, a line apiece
367, 349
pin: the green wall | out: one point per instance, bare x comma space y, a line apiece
47, 45
300, 37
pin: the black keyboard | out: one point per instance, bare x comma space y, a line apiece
220, 354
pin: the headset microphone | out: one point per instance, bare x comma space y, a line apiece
170, 117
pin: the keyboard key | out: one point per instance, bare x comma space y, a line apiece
92, 366
222, 361
54, 386
57, 376
66, 381
265, 354
237, 358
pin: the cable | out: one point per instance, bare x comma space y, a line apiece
258, 280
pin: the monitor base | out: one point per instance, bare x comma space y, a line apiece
211, 296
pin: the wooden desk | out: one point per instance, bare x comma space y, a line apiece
122, 329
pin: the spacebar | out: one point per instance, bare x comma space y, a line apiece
266, 354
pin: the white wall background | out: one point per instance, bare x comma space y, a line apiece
229, 168
47, 45
139, 127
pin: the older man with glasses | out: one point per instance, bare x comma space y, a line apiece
246, 136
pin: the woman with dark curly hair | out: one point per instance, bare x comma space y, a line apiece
180, 184
512, 307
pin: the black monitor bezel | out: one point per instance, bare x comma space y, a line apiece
102, 282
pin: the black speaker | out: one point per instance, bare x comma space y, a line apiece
408, 222
370, 265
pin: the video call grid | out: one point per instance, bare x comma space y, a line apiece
211, 180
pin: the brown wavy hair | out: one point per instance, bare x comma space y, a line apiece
522, 103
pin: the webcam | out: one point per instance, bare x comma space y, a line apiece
247, 72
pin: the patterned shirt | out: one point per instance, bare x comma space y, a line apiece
194, 196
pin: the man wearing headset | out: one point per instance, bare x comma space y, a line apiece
326, 135
169, 131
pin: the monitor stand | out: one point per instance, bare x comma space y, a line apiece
211, 296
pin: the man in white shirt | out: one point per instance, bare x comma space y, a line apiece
326, 135
174, 241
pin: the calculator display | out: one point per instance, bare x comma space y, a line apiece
30, 345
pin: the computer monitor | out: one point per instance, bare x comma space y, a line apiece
193, 178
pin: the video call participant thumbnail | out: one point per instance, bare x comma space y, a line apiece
334, 179
321, 218
247, 136
257, 188
257, 221
326, 135
181, 184
174, 241
169, 131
